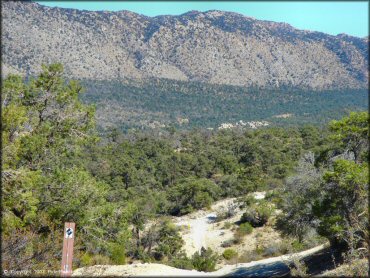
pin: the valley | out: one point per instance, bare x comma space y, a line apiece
168, 104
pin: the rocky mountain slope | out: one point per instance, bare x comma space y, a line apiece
214, 47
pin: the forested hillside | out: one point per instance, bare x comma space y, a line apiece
56, 169
163, 103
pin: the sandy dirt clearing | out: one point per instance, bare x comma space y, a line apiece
199, 228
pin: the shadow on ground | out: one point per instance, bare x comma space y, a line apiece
277, 269
324, 260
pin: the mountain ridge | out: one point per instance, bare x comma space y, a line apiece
214, 47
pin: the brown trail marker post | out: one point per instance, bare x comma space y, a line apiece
67, 256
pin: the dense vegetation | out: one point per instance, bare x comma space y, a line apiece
155, 103
57, 169
328, 193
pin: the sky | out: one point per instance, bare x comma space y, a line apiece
350, 17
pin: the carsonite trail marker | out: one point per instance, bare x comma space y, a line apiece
68, 239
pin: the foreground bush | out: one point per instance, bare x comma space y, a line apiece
182, 261
205, 260
245, 229
228, 254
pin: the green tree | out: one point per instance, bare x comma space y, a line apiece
192, 193
343, 212
300, 193
333, 203
257, 214
352, 134
169, 240
45, 130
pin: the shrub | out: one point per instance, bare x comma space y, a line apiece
237, 238
166, 239
142, 255
88, 259
247, 201
297, 246
257, 215
227, 243
245, 229
284, 247
205, 260
230, 211
221, 216
298, 269
117, 254
271, 250
357, 268
249, 256
227, 225
259, 250
181, 261
228, 254
354, 264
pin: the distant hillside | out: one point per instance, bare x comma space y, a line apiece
165, 103
214, 47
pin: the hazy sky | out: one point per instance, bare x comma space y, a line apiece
330, 17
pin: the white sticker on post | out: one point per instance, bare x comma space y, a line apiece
69, 233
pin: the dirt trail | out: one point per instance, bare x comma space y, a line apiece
199, 229
199, 226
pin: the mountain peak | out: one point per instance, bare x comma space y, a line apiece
212, 46
192, 12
